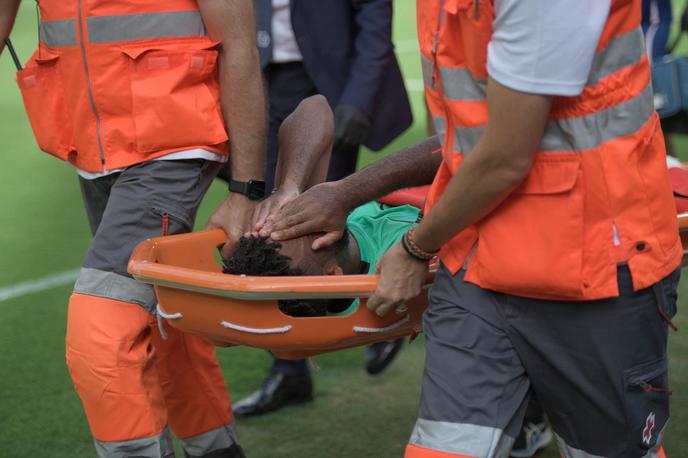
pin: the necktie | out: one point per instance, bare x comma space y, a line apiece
264, 30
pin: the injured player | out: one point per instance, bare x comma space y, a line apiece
305, 140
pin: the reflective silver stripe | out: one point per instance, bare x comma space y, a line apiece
440, 125
58, 33
586, 132
621, 51
158, 445
461, 438
426, 67
581, 133
466, 138
459, 84
216, 439
128, 27
110, 285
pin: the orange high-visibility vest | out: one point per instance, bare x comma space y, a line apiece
116, 83
598, 193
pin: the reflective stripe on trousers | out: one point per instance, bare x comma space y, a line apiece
457, 440
125, 27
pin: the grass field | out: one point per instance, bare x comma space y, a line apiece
44, 231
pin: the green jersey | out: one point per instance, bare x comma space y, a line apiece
376, 227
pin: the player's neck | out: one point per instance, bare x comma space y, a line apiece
350, 260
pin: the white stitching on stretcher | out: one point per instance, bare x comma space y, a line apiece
236, 327
394, 325
169, 316
161, 324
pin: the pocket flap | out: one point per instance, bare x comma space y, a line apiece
45, 57
454, 6
551, 175
26, 78
136, 51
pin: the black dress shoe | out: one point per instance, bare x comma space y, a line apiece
379, 355
277, 390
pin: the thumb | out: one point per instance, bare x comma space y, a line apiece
330, 238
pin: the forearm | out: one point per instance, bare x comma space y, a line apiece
232, 22
305, 144
8, 12
243, 105
415, 165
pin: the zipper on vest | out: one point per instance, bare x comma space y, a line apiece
90, 89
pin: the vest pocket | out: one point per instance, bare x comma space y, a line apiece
531, 245
44, 100
175, 97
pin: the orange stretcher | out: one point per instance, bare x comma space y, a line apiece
195, 296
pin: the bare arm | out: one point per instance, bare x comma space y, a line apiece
415, 165
324, 208
8, 12
305, 145
232, 22
497, 165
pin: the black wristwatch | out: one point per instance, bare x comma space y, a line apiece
253, 189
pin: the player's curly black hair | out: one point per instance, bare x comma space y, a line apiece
261, 256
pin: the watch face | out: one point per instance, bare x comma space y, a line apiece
256, 190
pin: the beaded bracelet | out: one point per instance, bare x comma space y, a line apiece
413, 249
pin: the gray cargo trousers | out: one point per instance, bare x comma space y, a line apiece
599, 369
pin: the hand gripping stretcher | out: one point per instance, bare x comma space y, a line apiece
195, 296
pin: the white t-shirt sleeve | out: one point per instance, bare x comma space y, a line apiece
545, 46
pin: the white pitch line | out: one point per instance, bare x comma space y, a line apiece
41, 284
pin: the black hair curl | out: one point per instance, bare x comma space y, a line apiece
261, 256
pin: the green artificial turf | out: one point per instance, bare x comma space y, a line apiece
44, 231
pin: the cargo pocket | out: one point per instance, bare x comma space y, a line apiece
175, 96
532, 244
44, 99
647, 405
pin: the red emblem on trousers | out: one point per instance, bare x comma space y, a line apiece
649, 426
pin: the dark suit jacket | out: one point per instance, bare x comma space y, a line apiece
348, 53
